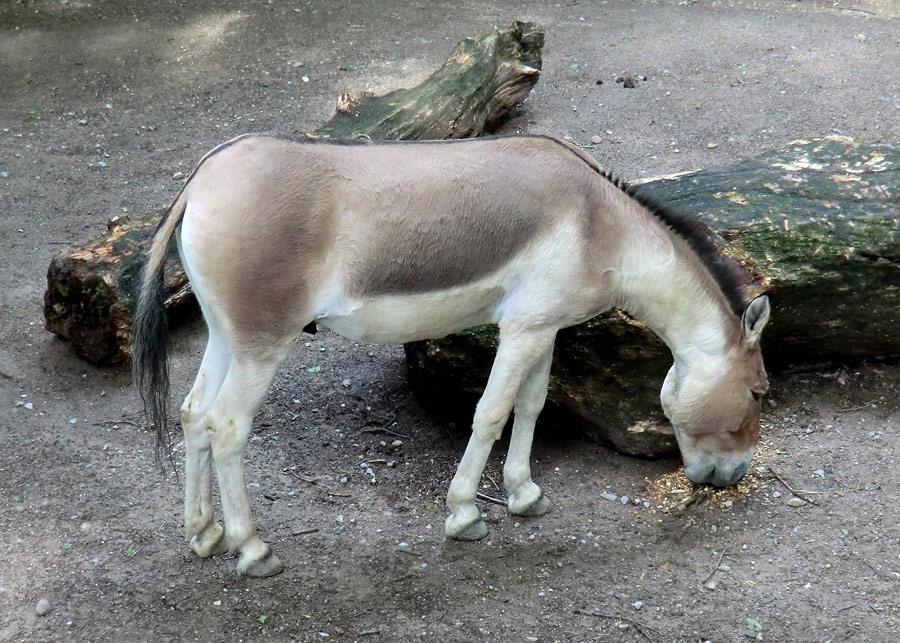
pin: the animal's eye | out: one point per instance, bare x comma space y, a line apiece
756, 395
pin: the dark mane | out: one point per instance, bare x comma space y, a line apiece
727, 272
731, 277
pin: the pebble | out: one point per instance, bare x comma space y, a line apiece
817, 472
596, 140
608, 496
178, 175
345, 383
397, 443
637, 604
43, 607
796, 502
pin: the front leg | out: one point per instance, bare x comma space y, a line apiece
525, 498
517, 354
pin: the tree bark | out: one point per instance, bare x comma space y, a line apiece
91, 289
819, 220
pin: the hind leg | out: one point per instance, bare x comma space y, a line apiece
205, 534
227, 425
525, 497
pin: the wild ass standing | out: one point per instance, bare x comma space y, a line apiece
404, 241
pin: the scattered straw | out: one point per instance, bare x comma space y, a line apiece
673, 492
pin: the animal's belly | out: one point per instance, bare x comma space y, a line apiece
396, 319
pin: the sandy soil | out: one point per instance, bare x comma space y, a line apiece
104, 102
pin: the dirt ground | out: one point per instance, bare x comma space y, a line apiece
103, 102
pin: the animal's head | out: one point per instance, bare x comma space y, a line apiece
714, 404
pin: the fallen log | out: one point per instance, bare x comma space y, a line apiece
820, 220
91, 288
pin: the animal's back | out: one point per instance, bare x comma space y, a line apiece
287, 220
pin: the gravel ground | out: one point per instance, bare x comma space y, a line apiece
104, 102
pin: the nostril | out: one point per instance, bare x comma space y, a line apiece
698, 473
739, 472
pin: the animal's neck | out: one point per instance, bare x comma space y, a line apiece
675, 298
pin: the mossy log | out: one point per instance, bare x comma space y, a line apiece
820, 220
90, 289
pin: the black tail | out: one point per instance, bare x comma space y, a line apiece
149, 333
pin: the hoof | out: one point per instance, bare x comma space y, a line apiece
475, 530
267, 564
537, 507
209, 542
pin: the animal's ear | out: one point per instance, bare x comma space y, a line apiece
754, 320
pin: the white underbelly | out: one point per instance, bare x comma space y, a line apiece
396, 319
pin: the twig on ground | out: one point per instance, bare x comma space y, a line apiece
714, 569
392, 415
695, 497
791, 489
496, 501
639, 625
115, 422
381, 429
857, 408
305, 532
370, 632
299, 477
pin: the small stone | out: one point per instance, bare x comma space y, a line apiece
397, 443
178, 175
43, 607
624, 500
608, 496
623, 626
304, 78
796, 502
345, 383
596, 140
818, 472
637, 604
29, 405
710, 584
